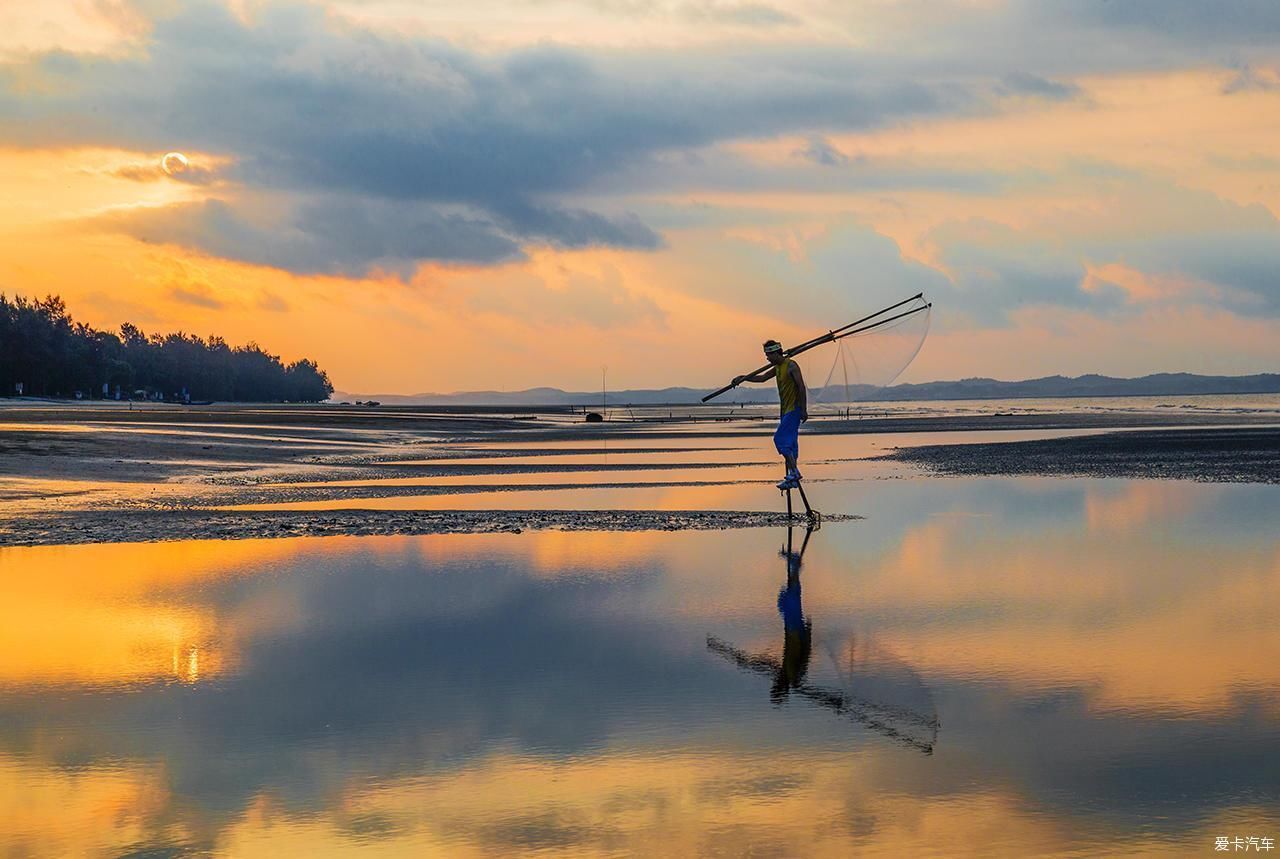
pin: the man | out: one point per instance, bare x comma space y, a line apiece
793, 402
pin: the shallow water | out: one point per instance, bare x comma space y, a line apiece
824, 407
989, 667
669, 479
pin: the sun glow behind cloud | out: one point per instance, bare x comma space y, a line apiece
656, 188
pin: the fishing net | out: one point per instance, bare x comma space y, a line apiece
864, 363
881, 691
864, 682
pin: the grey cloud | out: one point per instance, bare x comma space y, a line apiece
1050, 38
193, 175
272, 303
820, 151
576, 228
839, 275
302, 108
859, 267
115, 307
602, 302
1250, 163
546, 121
1244, 261
743, 14
196, 295
305, 107
958, 40
1249, 79
719, 169
996, 270
339, 237
993, 269
140, 173
1232, 264
342, 235
1233, 249
740, 14
1244, 21
1027, 84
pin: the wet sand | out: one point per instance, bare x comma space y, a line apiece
1229, 455
73, 473
145, 526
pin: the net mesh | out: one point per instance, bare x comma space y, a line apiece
865, 363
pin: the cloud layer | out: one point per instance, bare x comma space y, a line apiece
422, 149
651, 168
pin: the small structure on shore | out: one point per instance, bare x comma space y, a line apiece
595, 418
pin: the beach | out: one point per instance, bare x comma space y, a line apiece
73, 473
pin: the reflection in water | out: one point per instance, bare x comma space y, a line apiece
899, 723
797, 630
113, 615
1105, 679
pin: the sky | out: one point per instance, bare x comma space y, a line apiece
494, 195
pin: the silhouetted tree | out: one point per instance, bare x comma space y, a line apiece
51, 355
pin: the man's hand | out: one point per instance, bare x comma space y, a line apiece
738, 380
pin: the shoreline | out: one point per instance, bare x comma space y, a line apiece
156, 526
92, 474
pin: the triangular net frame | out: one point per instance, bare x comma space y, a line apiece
864, 364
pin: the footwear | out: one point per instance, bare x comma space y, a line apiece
787, 483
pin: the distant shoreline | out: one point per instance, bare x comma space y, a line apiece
1049, 387
556, 401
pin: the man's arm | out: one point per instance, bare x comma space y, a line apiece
802, 393
762, 376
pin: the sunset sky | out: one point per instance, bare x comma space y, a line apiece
491, 194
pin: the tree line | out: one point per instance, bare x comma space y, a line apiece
44, 353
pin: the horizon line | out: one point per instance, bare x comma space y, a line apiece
1235, 376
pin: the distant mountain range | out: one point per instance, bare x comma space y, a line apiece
1160, 384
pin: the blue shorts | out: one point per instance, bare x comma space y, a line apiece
787, 438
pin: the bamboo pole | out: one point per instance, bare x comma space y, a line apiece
837, 334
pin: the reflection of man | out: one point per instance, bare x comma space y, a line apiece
793, 402
797, 631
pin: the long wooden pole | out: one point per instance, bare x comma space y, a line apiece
818, 341
831, 336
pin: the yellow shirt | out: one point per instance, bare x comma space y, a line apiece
786, 386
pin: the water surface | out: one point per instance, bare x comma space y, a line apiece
982, 666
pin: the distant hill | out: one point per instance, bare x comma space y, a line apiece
1160, 384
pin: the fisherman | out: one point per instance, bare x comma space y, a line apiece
793, 403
